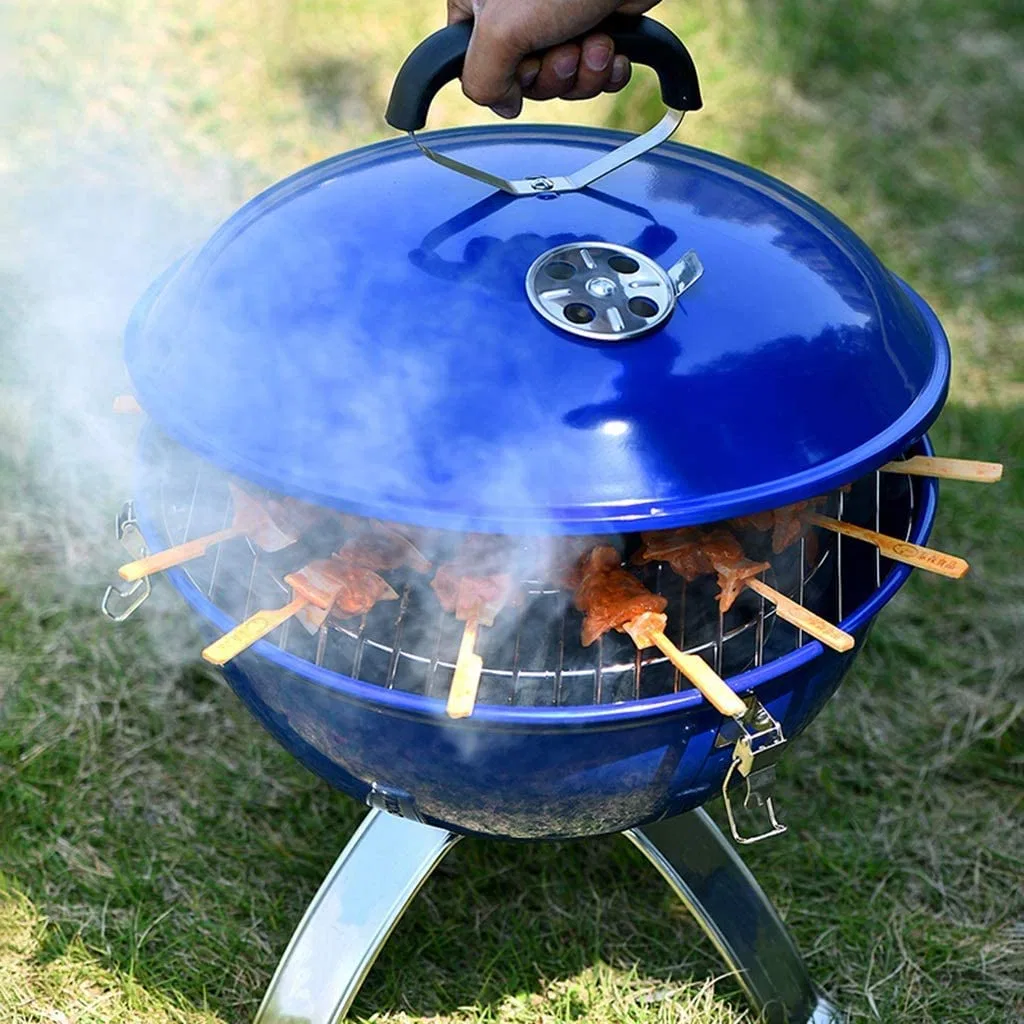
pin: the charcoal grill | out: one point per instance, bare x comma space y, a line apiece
426, 371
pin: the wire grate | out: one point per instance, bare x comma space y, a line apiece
532, 655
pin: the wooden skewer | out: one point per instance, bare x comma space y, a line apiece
245, 634
251, 519
466, 681
947, 469
647, 630
170, 557
126, 405
801, 617
323, 584
898, 550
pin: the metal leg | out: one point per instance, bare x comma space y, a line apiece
389, 858
703, 869
376, 877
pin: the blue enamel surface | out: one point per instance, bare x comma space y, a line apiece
360, 336
522, 772
521, 782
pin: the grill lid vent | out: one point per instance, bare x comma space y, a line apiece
605, 292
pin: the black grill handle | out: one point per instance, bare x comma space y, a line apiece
438, 60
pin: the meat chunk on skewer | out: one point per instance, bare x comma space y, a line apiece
474, 586
725, 553
333, 586
760, 521
791, 524
481, 579
466, 596
610, 596
272, 523
692, 552
382, 548
352, 574
564, 564
787, 524
682, 549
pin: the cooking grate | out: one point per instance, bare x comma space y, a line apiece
532, 655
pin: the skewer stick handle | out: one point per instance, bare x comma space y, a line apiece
466, 681
898, 550
715, 689
649, 628
245, 634
971, 470
801, 617
171, 557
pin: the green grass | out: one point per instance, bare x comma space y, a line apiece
156, 848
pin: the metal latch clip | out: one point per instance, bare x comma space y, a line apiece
756, 751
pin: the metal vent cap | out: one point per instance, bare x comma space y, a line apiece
606, 292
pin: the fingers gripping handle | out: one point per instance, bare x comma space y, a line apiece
440, 57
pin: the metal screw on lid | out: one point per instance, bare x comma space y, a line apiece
606, 292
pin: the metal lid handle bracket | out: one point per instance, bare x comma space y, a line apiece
440, 57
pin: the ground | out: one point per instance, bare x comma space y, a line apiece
156, 848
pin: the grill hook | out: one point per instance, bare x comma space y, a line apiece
120, 600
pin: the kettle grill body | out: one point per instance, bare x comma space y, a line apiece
529, 772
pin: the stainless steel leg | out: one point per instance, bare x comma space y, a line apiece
376, 877
708, 876
389, 858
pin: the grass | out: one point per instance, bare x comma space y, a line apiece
156, 848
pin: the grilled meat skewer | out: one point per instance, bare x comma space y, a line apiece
271, 524
471, 587
692, 552
477, 582
608, 595
357, 562
381, 548
612, 598
787, 524
327, 585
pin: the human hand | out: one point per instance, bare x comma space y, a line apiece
533, 48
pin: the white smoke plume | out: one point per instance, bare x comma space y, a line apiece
90, 214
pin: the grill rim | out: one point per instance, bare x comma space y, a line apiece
558, 718
560, 522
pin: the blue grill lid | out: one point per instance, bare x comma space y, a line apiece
360, 336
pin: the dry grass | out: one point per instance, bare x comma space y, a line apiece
157, 848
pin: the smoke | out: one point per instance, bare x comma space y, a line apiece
95, 207
90, 214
